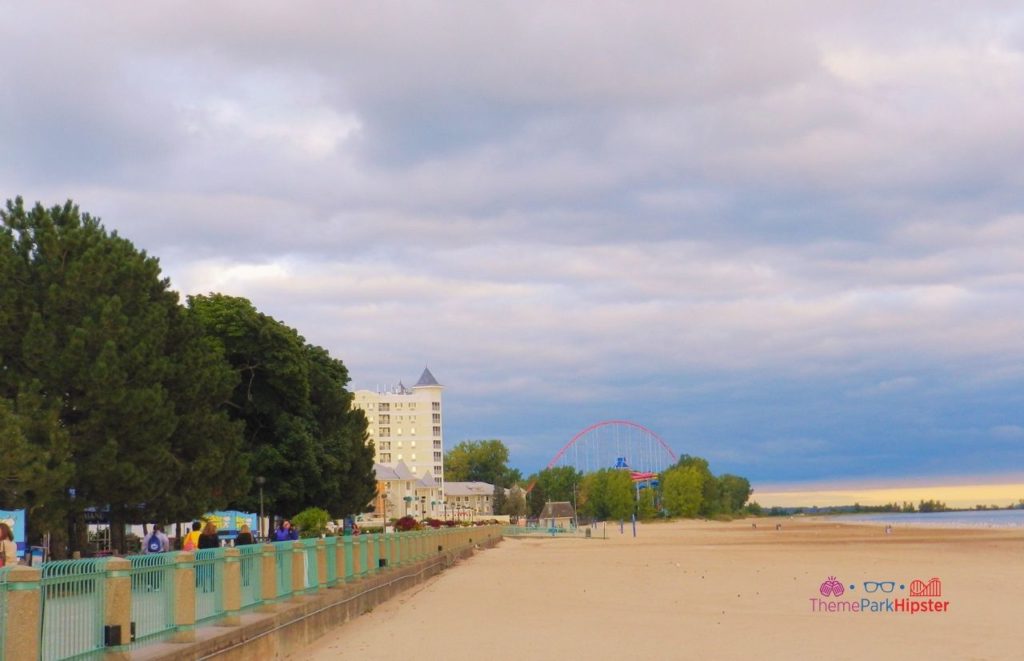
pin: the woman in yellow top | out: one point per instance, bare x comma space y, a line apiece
8, 549
191, 542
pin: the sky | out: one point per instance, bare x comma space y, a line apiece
784, 236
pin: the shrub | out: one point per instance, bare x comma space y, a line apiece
407, 523
311, 522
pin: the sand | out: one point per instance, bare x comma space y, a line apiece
706, 590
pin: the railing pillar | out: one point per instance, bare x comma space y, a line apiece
232, 586
24, 614
117, 609
364, 562
382, 553
298, 568
350, 571
185, 597
374, 553
321, 563
268, 575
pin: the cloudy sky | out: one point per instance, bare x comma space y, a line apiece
786, 236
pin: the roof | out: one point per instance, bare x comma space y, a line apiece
426, 379
468, 489
399, 471
427, 481
557, 510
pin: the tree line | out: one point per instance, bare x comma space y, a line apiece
117, 398
687, 489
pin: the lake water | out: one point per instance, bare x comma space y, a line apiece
969, 519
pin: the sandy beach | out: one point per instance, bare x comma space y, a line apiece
708, 590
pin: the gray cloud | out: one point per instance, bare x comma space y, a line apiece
557, 204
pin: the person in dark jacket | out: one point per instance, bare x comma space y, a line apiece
244, 536
209, 538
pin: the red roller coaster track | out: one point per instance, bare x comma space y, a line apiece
605, 423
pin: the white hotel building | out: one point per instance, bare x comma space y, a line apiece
405, 425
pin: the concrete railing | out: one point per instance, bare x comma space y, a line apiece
119, 604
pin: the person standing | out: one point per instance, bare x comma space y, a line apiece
286, 532
8, 549
244, 536
156, 541
209, 538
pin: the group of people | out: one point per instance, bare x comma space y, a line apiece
205, 537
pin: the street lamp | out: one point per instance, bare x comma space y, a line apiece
260, 482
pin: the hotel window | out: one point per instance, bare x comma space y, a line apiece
412, 431
399, 457
412, 406
383, 406
399, 431
437, 470
385, 419
437, 445
385, 458
398, 405
437, 456
437, 431
385, 445
385, 431
437, 418
399, 445
435, 406
414, 456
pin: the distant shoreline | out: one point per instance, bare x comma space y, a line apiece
1009, 519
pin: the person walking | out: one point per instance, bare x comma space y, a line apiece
8, 549
191, 542
156, 541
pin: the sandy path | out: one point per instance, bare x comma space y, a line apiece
704, 590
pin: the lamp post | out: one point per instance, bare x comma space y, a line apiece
260, 482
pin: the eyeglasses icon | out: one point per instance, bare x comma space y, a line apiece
874, 586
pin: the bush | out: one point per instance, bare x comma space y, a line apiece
311, 522
407, 523
433, 523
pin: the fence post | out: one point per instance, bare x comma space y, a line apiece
350, 571
268, 575
24, 618
298, 568
117, 611
185, 597
321, 563
232, 586
374, 552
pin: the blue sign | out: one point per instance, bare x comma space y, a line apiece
232, 521
16, 520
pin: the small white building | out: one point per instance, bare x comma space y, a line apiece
401, 493
469, 499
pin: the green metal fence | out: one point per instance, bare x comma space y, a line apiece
152, 596
283, 554
250, 559
209, 566
73, 602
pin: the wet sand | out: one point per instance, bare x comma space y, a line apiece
709, 590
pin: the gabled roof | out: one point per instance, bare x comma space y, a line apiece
427, 481
559, 510
426, 379
393, 473
468, 489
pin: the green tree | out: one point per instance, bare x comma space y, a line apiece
516, 505
479, 461
301, 433
92, 334
735, 491
682, 490
499, 499
711, 497
607, 494
555, 484
646, 508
